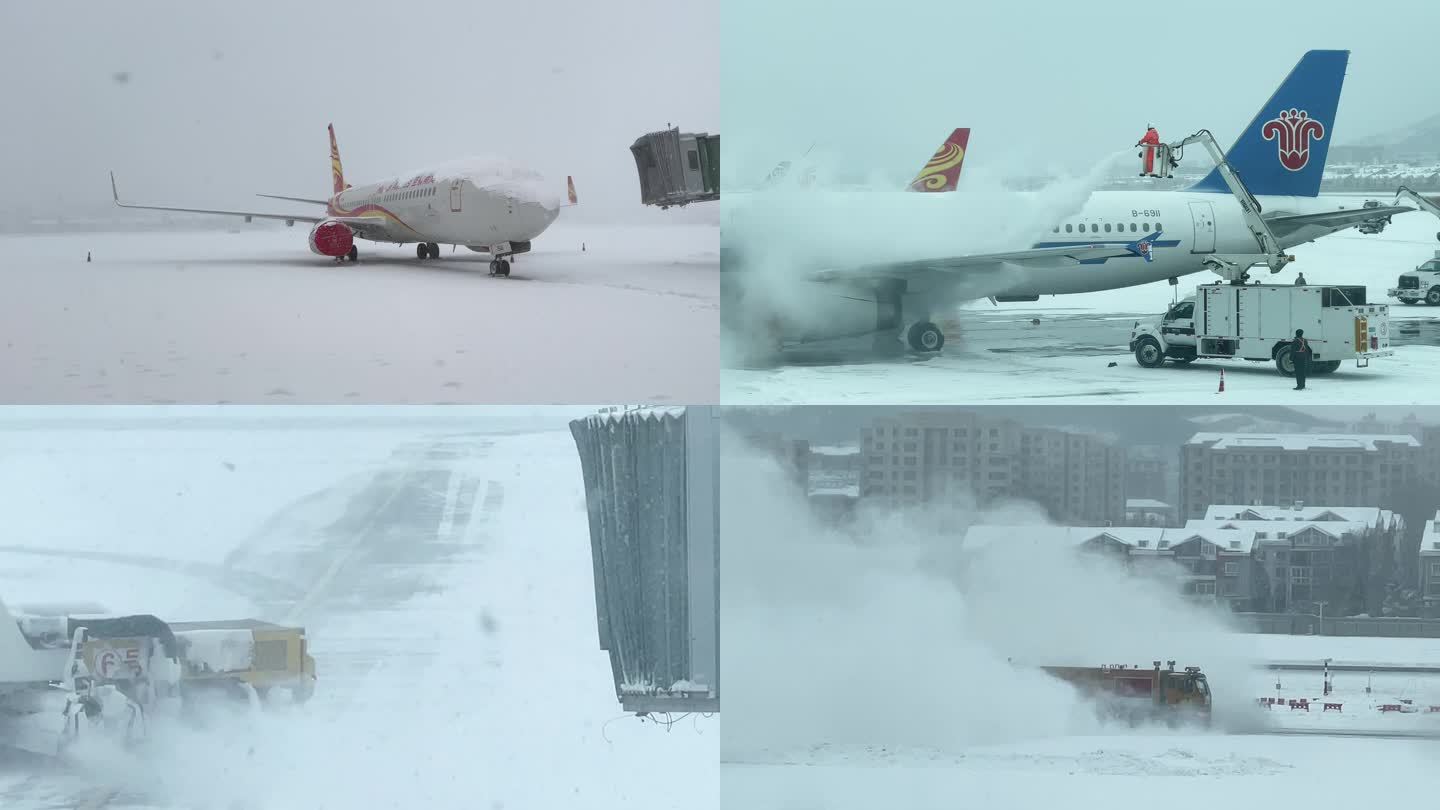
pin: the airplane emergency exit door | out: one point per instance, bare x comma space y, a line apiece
455, 196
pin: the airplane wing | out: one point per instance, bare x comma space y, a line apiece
1051, 256
291, 218
1330, 221
294, 199
373, 228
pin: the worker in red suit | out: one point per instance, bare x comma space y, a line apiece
1150, 140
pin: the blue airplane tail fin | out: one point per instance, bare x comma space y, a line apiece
1282, 151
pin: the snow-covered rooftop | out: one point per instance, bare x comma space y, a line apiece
1145, 503
1369, 515
1271, 529
1139, 539
1430, 537
1299, 441
835, 450
834, 482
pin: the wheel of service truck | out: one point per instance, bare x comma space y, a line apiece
1432, 298
1410, 301
1149, 354
925, 337
1285, 361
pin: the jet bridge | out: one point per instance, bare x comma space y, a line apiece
652, 488
677, 168
1231, 267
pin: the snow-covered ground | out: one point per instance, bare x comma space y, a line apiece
1353, 650
251, 315
440, 564
974, 374
1174, 771
1000, 356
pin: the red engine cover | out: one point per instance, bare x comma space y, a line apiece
331, 238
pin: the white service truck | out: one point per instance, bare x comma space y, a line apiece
1420, 284
1258, 322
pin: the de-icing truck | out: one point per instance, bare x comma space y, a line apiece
1258, 321
1138, 696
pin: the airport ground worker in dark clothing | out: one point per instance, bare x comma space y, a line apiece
1300, 280
1300, 355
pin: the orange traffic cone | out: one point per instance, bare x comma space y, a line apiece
1222, 382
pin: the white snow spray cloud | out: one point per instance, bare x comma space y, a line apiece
893, 635
776, 236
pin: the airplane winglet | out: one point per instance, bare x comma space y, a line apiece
114, 191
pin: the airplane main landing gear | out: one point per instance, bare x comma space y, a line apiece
427, 250
354, 254
500, 267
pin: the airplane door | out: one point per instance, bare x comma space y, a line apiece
455, 196
1204, 218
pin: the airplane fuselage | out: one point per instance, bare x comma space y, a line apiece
1191, 226
448, 206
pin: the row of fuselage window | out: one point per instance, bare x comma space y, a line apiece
411, 194
1144, 227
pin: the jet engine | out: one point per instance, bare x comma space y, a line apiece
331, 238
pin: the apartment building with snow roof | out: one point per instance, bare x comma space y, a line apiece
923, 457
1430, 565
1208, 564
1241, 468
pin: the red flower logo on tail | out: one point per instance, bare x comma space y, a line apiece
1292, 133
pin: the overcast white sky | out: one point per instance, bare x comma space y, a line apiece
1070, 81
227, 99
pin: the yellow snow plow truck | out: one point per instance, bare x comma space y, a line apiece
1140, 696
64, 676
230, 655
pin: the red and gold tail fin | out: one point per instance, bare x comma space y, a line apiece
570, 188
335, 171
942, 173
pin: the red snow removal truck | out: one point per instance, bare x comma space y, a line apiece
1141, 696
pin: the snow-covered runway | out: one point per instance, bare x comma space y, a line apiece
251, 316
1179, 771
440, 565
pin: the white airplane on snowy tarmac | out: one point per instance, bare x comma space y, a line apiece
488, 205
1116, 239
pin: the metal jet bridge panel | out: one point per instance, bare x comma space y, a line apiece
677, 168
652, 489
